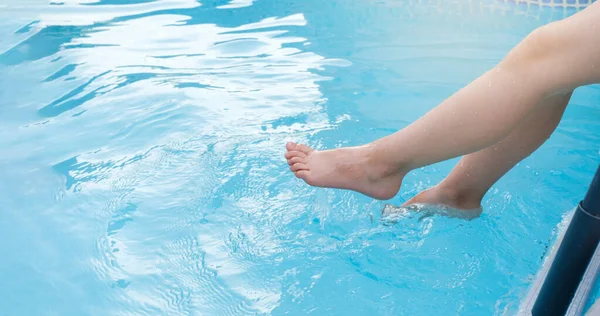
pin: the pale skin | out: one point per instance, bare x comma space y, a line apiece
469, 181
496, 121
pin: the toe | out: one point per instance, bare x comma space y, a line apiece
291, 154
298, 167
290, 146
305, 149
299, 157
302, 174
294, 160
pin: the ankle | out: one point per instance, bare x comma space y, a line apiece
380, 161
376, 166
460, 197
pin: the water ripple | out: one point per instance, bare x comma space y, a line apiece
141, 151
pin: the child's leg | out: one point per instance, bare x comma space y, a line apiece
553, 59
470, 180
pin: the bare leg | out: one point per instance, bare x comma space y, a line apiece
469, 181
554, 59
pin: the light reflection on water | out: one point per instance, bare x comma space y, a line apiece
141, 153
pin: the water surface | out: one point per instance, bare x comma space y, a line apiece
141, 167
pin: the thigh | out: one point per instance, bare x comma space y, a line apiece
577, 48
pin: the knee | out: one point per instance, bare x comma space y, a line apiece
540, 46
542, 60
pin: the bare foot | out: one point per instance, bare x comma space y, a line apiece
353, 168
447, 197
393, 214
437, 200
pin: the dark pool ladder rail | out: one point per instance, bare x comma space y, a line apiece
556, 287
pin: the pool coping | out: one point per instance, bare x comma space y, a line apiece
589, 280
527, 305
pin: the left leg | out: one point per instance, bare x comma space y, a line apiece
469, 181
552, 60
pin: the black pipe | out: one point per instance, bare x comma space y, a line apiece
591, 203
573, 256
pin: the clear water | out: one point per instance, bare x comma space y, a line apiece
141, 167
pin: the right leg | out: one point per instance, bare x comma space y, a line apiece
469, 181
554, 59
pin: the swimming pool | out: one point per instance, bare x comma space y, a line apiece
142, 172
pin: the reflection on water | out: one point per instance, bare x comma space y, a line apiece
141, 154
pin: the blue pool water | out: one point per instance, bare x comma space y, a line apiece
141, 168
